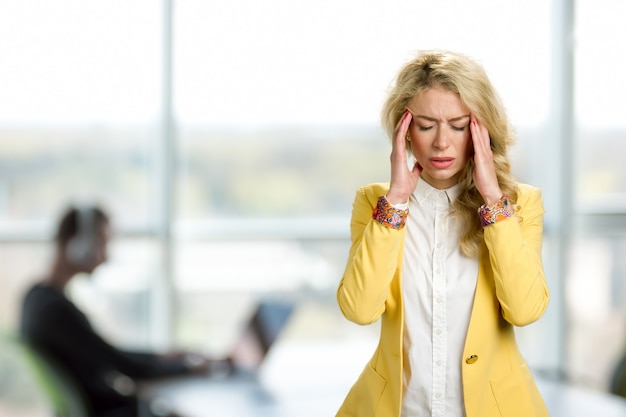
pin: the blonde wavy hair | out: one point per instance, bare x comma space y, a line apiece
461, 75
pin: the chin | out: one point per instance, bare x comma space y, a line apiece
440, 179
440, 175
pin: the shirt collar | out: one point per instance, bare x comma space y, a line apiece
425, 190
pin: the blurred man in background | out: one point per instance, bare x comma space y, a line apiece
53, 326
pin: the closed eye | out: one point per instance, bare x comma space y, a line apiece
459, 128
425, 128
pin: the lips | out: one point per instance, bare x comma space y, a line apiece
441, 162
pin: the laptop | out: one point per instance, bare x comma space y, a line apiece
260, 333
236, 379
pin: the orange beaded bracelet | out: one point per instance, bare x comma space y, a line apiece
496, 211
389, 216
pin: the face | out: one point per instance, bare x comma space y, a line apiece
97, 255
440, 136
102, 242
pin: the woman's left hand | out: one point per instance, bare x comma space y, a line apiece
485, 177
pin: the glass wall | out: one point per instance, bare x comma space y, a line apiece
227, 140
80, 110
596, 290
277, 118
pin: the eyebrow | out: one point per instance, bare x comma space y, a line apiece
432, 119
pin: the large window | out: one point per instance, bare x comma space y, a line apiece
227, 140
80, 110
277, 116
596, 294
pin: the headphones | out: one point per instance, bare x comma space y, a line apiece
81, 249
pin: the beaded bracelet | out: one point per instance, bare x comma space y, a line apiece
389, 216
496, 211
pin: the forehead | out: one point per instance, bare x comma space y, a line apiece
437, 102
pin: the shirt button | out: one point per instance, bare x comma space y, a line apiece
471, 359
438, 395
439, 245
438, 363
439, 299
438, 331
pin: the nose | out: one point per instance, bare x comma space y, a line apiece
441, 141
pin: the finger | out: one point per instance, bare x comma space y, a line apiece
477, 136
403, 127
480, 138
406, 116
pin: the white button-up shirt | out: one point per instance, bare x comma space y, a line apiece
438, 284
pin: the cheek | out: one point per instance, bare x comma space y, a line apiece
102, 253
467, 146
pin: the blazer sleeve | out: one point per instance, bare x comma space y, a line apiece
514, 247
373, 260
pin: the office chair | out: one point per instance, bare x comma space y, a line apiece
59, 387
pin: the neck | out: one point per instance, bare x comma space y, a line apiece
60, 274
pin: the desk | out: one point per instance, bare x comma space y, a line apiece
311, 379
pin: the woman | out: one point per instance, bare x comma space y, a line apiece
447, 255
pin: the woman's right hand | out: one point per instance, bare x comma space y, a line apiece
403, 180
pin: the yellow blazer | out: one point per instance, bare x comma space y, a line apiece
511, 291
